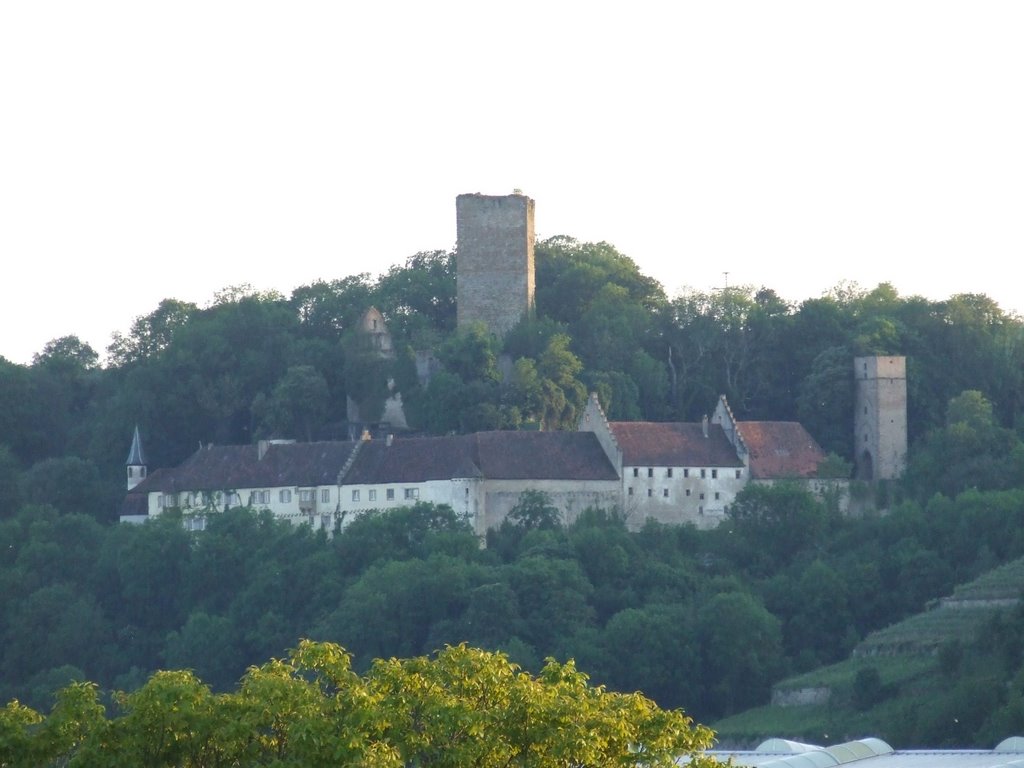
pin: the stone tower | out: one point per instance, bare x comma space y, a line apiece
880, 417
494, 260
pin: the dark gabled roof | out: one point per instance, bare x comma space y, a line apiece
542, 456
304, 464
224, 467
780, 449
673, 444
490, 455
412, 460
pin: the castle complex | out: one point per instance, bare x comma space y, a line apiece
666, 472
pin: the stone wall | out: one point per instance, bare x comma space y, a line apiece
880, 417
494, 260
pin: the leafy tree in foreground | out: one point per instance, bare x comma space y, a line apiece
461, 707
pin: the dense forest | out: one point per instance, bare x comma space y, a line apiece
703, 620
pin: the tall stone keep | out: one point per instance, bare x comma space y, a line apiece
880, 418
494, 260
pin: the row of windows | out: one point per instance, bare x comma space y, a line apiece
201, 499
389, 494
306, 495
665, 494
686, 472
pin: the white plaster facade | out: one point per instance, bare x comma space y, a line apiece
697, 495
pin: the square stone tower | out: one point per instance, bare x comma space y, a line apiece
494, 260
880, 418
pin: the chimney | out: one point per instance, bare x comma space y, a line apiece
261, 449
389, 440
704, 425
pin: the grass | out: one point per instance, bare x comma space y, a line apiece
904, 656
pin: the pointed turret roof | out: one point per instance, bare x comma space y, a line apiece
135, 457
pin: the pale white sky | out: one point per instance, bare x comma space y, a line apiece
152, 150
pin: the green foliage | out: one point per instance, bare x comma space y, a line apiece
297, 405
461, 707
535, 511
115, 603
770, 524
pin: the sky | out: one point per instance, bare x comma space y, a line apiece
153, 150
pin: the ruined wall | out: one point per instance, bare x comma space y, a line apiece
494, 260
880, 417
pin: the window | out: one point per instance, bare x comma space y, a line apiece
325, 521
687, 491
650, 492
160, 501
412, 493
306, 495
703, 474
714, 474
686, 472
325, 495
717, 495
264, 497
391, 494
664, 492
234, 499
355, 495
668, 472
650, 471
739, 473
371, 494
700, 510
284, 496
636, 471
702, 497
630, 491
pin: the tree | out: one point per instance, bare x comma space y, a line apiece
297, 405
71, 485
768, 525
534, 510
152, 333
741, 652
460, 707
10, 483
418, 299
970, 451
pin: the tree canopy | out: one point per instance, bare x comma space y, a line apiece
459, 707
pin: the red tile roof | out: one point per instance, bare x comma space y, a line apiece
673, 444
780, 449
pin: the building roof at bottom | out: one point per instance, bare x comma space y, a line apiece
673, 444
228, 467
874, 753
780, 449
501, 455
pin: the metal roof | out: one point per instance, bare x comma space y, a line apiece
872, 753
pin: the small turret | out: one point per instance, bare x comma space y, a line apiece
136, 464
